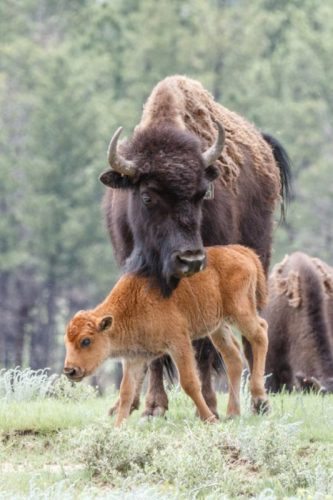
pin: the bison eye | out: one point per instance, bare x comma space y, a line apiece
85, 342
199, 196
146, 199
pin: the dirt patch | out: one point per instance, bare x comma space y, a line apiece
6, 436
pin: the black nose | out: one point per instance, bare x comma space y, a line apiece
71, 372
189, 262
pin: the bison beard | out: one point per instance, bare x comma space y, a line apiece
165, 157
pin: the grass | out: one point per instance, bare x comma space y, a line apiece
63, 445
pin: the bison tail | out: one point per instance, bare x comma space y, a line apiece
284, 163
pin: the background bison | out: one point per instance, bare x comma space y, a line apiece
299, 314
157, 214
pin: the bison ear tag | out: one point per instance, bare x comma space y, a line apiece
210, 192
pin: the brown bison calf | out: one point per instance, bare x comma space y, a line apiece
137, 324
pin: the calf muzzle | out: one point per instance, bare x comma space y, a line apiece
73, 372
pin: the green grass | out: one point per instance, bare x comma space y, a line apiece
64, 446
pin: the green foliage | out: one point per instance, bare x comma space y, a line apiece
71, 72
204, 457
75, 452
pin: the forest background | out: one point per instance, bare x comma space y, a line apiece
71, 72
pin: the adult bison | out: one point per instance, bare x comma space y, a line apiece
300, 317
193, 174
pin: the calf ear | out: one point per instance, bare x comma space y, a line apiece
105, 323
212, 173
115, 180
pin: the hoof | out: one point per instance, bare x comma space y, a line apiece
155, 411
232, 416
212, 420
113, 410
213, 411
261, 406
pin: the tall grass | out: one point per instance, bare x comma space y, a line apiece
31, 385
25, 385
57, 441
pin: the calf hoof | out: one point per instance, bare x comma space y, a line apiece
213, 411
260, 406
212, 420
113, 410
153, 411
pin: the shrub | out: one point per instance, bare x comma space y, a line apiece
25, 385
29, 385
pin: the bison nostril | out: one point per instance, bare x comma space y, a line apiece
189, 257
188, 263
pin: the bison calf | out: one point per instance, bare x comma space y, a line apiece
137, 324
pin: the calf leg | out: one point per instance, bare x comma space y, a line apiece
248, 352
254, 329
136, 400
156, 399
228, 346
183, 357
205, 353
133, 373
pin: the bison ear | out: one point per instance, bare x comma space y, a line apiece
294, 290
290, 287
105, 323
115, 180
212, 173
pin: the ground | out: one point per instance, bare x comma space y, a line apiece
64, 446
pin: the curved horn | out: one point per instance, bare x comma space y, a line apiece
117, 162
212, 153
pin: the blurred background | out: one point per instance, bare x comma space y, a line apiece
71, 72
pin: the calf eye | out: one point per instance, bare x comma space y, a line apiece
85, 342
146, 199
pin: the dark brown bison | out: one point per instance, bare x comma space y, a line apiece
133, 323
299, 314
326, 273
193, 174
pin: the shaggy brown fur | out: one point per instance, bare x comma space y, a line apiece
186, 104
326, 273
137, 324
177, 125
299, 314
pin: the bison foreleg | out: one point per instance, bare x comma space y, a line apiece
156, 399
205, 354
